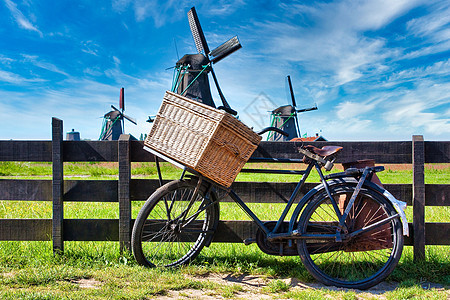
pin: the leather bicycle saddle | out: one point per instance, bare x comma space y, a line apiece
325, 150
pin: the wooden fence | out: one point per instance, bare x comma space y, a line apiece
124, 190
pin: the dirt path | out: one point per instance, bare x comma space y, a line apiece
256, 287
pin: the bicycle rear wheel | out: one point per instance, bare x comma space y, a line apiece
170, 229
357, 262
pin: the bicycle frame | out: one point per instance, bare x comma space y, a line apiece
341, 230
292, 233
259, 223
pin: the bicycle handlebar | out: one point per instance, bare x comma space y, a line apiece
228, 110
264, 130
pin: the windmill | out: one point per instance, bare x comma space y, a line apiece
286, 118
114, 121
191, 71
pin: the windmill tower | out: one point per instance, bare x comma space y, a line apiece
114, 121
191, 76
286, 118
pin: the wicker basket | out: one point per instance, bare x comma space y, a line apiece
208, 140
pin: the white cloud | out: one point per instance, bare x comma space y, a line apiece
447, 112
80, 103
354, 15
438, 70
349, 110
5, 60
412, 114
426, 50
163, 12
116, 61
33, 59
422, 109
93, 71
90, 47
120, 5
13, 78
20, 19
433, 26
354, 127
224, 8
431, 31
337, 45
160, 11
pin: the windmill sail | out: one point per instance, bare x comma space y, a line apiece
122, 99
225, 49
286, 118
192, 78
197, 32
291, 91
114, 121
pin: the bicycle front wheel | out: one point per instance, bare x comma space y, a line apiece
172, 228
358, 261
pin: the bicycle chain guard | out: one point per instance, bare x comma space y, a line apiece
279, 248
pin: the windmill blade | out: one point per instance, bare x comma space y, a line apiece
222, 97
294, 104
200, 42
132, 120
113, 107
225, 49
307, 109
122, 99
291, 90
197, 32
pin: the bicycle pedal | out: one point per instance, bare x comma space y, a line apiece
249, 241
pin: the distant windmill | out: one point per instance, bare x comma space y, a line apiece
191, 79
286, 118
114, 121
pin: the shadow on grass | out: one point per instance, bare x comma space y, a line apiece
238, 260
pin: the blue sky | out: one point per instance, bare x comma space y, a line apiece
377, 70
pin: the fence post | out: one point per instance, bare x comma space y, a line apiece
57, 186
124, 192
418, 153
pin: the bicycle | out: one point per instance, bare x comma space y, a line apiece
347, 230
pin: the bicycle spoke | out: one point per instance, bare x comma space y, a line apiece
146, 238
161, 244
161, 238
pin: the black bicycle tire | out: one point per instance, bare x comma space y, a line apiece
365, 283
211, 218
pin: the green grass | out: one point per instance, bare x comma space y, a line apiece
29, 270
277, 286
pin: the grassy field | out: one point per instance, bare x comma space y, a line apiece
97, 270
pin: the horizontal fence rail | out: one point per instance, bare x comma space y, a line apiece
140, 189
125, 190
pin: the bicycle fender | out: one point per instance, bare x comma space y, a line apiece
398, 205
